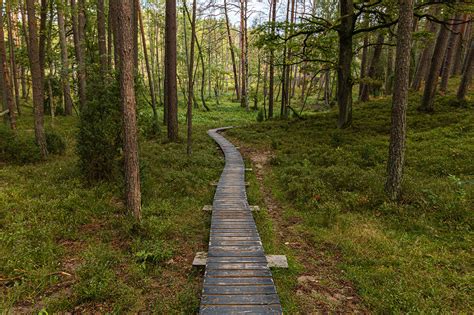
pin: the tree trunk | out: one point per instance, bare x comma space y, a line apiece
344, 78
427, 102
365, 51
37, 77
396, 155
78, 32
127, 93
7, 86
148, 70
68, 106
189, 113
423, 64
364, 97
102, 41
171, 93
271, 79
467, 75
463, 46
255, 98
13, 65
232, 52
454, 37
389, 73
243, 55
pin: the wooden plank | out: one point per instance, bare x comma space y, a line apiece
237, 278
240, 309
250, 299
240, 289
238, 281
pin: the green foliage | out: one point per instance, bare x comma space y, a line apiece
260, 116
55, 143
16, 148
99, 139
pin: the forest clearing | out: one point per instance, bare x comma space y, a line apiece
138, 135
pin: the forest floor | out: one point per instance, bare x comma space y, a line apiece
69, 246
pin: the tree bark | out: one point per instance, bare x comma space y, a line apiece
78, 32
467, 75
68, 106
364, 97
454, 37
344, 78
127, 93
189, 113
7, 85
396, 156
13, 64
148, 69
243, 55
171, 93
101, 34
232, 52
271, 79
427, 102
423, 64
37, 78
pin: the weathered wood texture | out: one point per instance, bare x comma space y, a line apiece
237, 278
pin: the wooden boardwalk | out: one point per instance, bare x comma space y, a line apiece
237, 278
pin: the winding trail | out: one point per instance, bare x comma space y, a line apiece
237, 278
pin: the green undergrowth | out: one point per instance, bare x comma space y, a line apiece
413, 256
67, 245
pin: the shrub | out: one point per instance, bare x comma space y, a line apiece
55, 143
17, 149
260, 116
99, 139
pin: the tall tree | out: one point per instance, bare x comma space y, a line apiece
127, 93
189, 115
454, 36
101, 36
467, 75
372, 68
271, 79
148, 70
344, 78
171, 93
7, 84
396, 156
232, 52
37, 77
427, 102
68, 106
78, 22
13, 63
243, 55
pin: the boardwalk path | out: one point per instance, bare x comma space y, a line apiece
237, 278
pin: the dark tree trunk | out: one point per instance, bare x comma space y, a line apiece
427, 102
424, 60
148, 70
365, 52
454, 37
37, 78
171, 93
344, 78
271, 79
463, 46
68, 106
101, 34
78, 34
467, 75
364, 97
396, 155
389, 73
189, 113
7, 85
13, 63
232, 52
